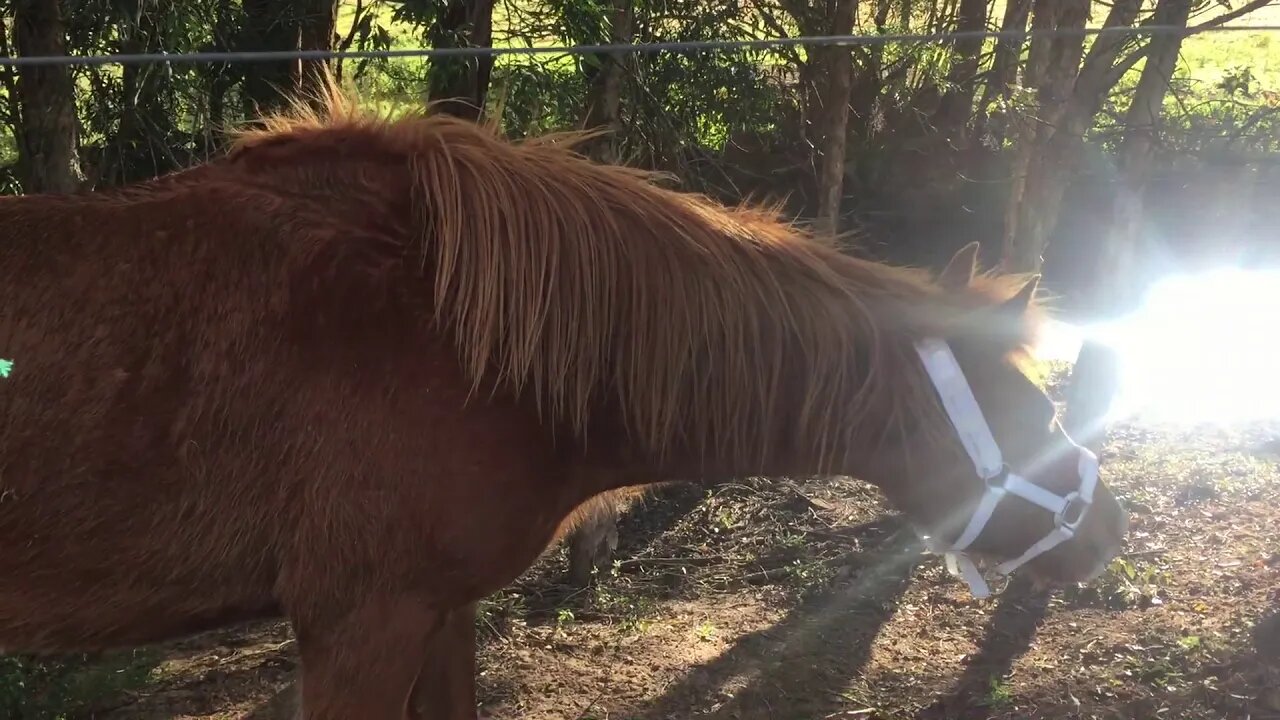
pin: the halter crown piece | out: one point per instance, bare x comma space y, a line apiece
967, 419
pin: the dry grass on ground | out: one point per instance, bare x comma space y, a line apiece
806, 601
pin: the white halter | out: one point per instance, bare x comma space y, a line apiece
975, 435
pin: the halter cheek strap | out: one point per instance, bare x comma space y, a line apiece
975, 435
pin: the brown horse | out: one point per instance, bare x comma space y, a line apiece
360, 373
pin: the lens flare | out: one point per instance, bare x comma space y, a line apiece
1202, 348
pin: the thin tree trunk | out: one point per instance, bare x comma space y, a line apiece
835, 120
1143, 117
593, 542
1119, 284
1044, 158
956, 106
1096, 77
1041, 171
318, 31
48, 156
270, 25
1004, 63
459, 86
604, 94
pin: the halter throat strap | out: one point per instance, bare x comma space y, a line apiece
975, 435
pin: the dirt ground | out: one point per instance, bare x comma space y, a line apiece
806, 601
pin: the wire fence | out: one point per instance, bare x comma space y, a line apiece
260, 56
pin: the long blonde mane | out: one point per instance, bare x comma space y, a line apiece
720, 330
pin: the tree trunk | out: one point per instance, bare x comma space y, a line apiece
835, 120
1041, 170
270, 25
318, 31
1118, 279
1045, 155
1143, 117
1097, 75
956, 106
604, 93
1004, 63
458, 86
593, 542
48, 155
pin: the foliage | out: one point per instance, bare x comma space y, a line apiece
1127, 583
733, 122
64, 688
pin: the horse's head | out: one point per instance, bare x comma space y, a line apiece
992, 474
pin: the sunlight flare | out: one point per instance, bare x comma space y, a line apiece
1202, 348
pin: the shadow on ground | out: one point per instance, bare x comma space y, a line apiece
803, 663
1010, 632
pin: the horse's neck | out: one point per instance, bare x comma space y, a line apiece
865, 454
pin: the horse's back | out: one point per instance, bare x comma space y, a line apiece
142, 337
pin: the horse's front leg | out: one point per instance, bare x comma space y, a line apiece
446, 687
364, 664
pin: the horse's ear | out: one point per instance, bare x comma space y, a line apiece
1018, 304
959, 271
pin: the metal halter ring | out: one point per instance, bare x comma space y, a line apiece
1074, 508
997, 481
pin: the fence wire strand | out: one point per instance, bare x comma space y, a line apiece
233, 56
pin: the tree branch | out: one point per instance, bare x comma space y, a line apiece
1227, 17
1136, 56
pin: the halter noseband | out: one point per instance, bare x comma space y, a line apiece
966, 416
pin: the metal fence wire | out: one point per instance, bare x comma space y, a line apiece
690, 46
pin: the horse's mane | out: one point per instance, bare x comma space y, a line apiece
588, 284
